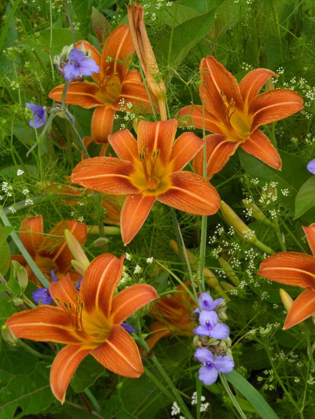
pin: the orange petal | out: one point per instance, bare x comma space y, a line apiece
113, 210
44, 323
310, 235
195, 116
119, 47
273, 106
32, 233
130, 300
136, 94
290, 268
120, 354
253, 82
159, 331
259, 145
99, 283
133, 214
302, 308
184, 150
95, 55
133, 76
217, 82
124, 145
64, 366
219, 150
64, 291
105, 174
85, 94
191, 193
54, 245
157, 136
102, 123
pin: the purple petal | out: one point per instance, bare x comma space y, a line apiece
202, 331
205, 300
208, 319
224, 364
220, 331
89, 67
204, 355
76, 56
196, 310
215, 303
71, 72
208, 375
42, 296
311, 166
34, 108
39, 115
128, 327
78, 284
53, 276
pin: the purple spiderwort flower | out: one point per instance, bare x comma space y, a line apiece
128, 327
79, 65
42, 295
311, 166
39, 115
78, 284
207, 303
211, 366
209, 326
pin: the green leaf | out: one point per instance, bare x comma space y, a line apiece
252, 395
185, 37
82, 13
5, 258
228, 14
100, 25
305, 198
87, 373
5, 233
6, 310
202, 6
183, 13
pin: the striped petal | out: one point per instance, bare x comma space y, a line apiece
126, 302
43, 324
95, 55
124, 145
156, 136
64, 366
259, 145
191, 193
290, 268
85, 94
133, 214
32, 233
195, 115
64, 291
102, 123
134, 92
273, 106
302, 308
105, 174
253, 81
99, 283
184, 150
120, 354
219, 150
113, 209
310, 235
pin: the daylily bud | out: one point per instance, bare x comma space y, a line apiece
239, 226
8, 335
20, 273
78, 267
257, 213
286, 299
226, 286
146, 56
100, 242
229, 271
213, 282
76, 249
17, 301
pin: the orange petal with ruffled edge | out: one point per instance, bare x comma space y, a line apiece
302, 308
216, 82
184, 150
290, 268
259, 145
191, 193
117, 52
310, 235
273, 106
99, 283
219, 150
133, 214
102, 123
154, 136
105, 174
43, 324
120, 354
251, 84
64, 366
129, 300
95, 55
124, 145
85, 94
195, 115
32, 233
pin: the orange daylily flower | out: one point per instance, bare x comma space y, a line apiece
173, 315
50, 252
88, 322
113, 83
297, 269
233, 112
150, 170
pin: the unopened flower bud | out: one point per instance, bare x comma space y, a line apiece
17, 301
229, 271
228, 352
100, 242
196, 342
239, 226
20, 274
256, 213
78, 267
226, 286
286, 299
8, 335
76, 249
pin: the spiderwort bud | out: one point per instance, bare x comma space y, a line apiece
240, 227
22, 277
76, 249
286, 299
17, 301
100, 242
8, 335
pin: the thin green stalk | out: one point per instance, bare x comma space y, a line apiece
292, 236
232, 397
172, 35
93, 400
4, 31
148, 93
86, 153
32, 351
309, 347
158, 383
51, 40
177, 235
70, 23
278, 232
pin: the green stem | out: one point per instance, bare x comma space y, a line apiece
7, 23
263, 247
232, 397
93, 400
177, 235
278, 232
292, 236
158, 383
32, 351
148, 93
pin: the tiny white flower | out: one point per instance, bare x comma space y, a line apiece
128, 256
13, 210
137, 270
19, 172
150, 260
80, 219
25, 191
